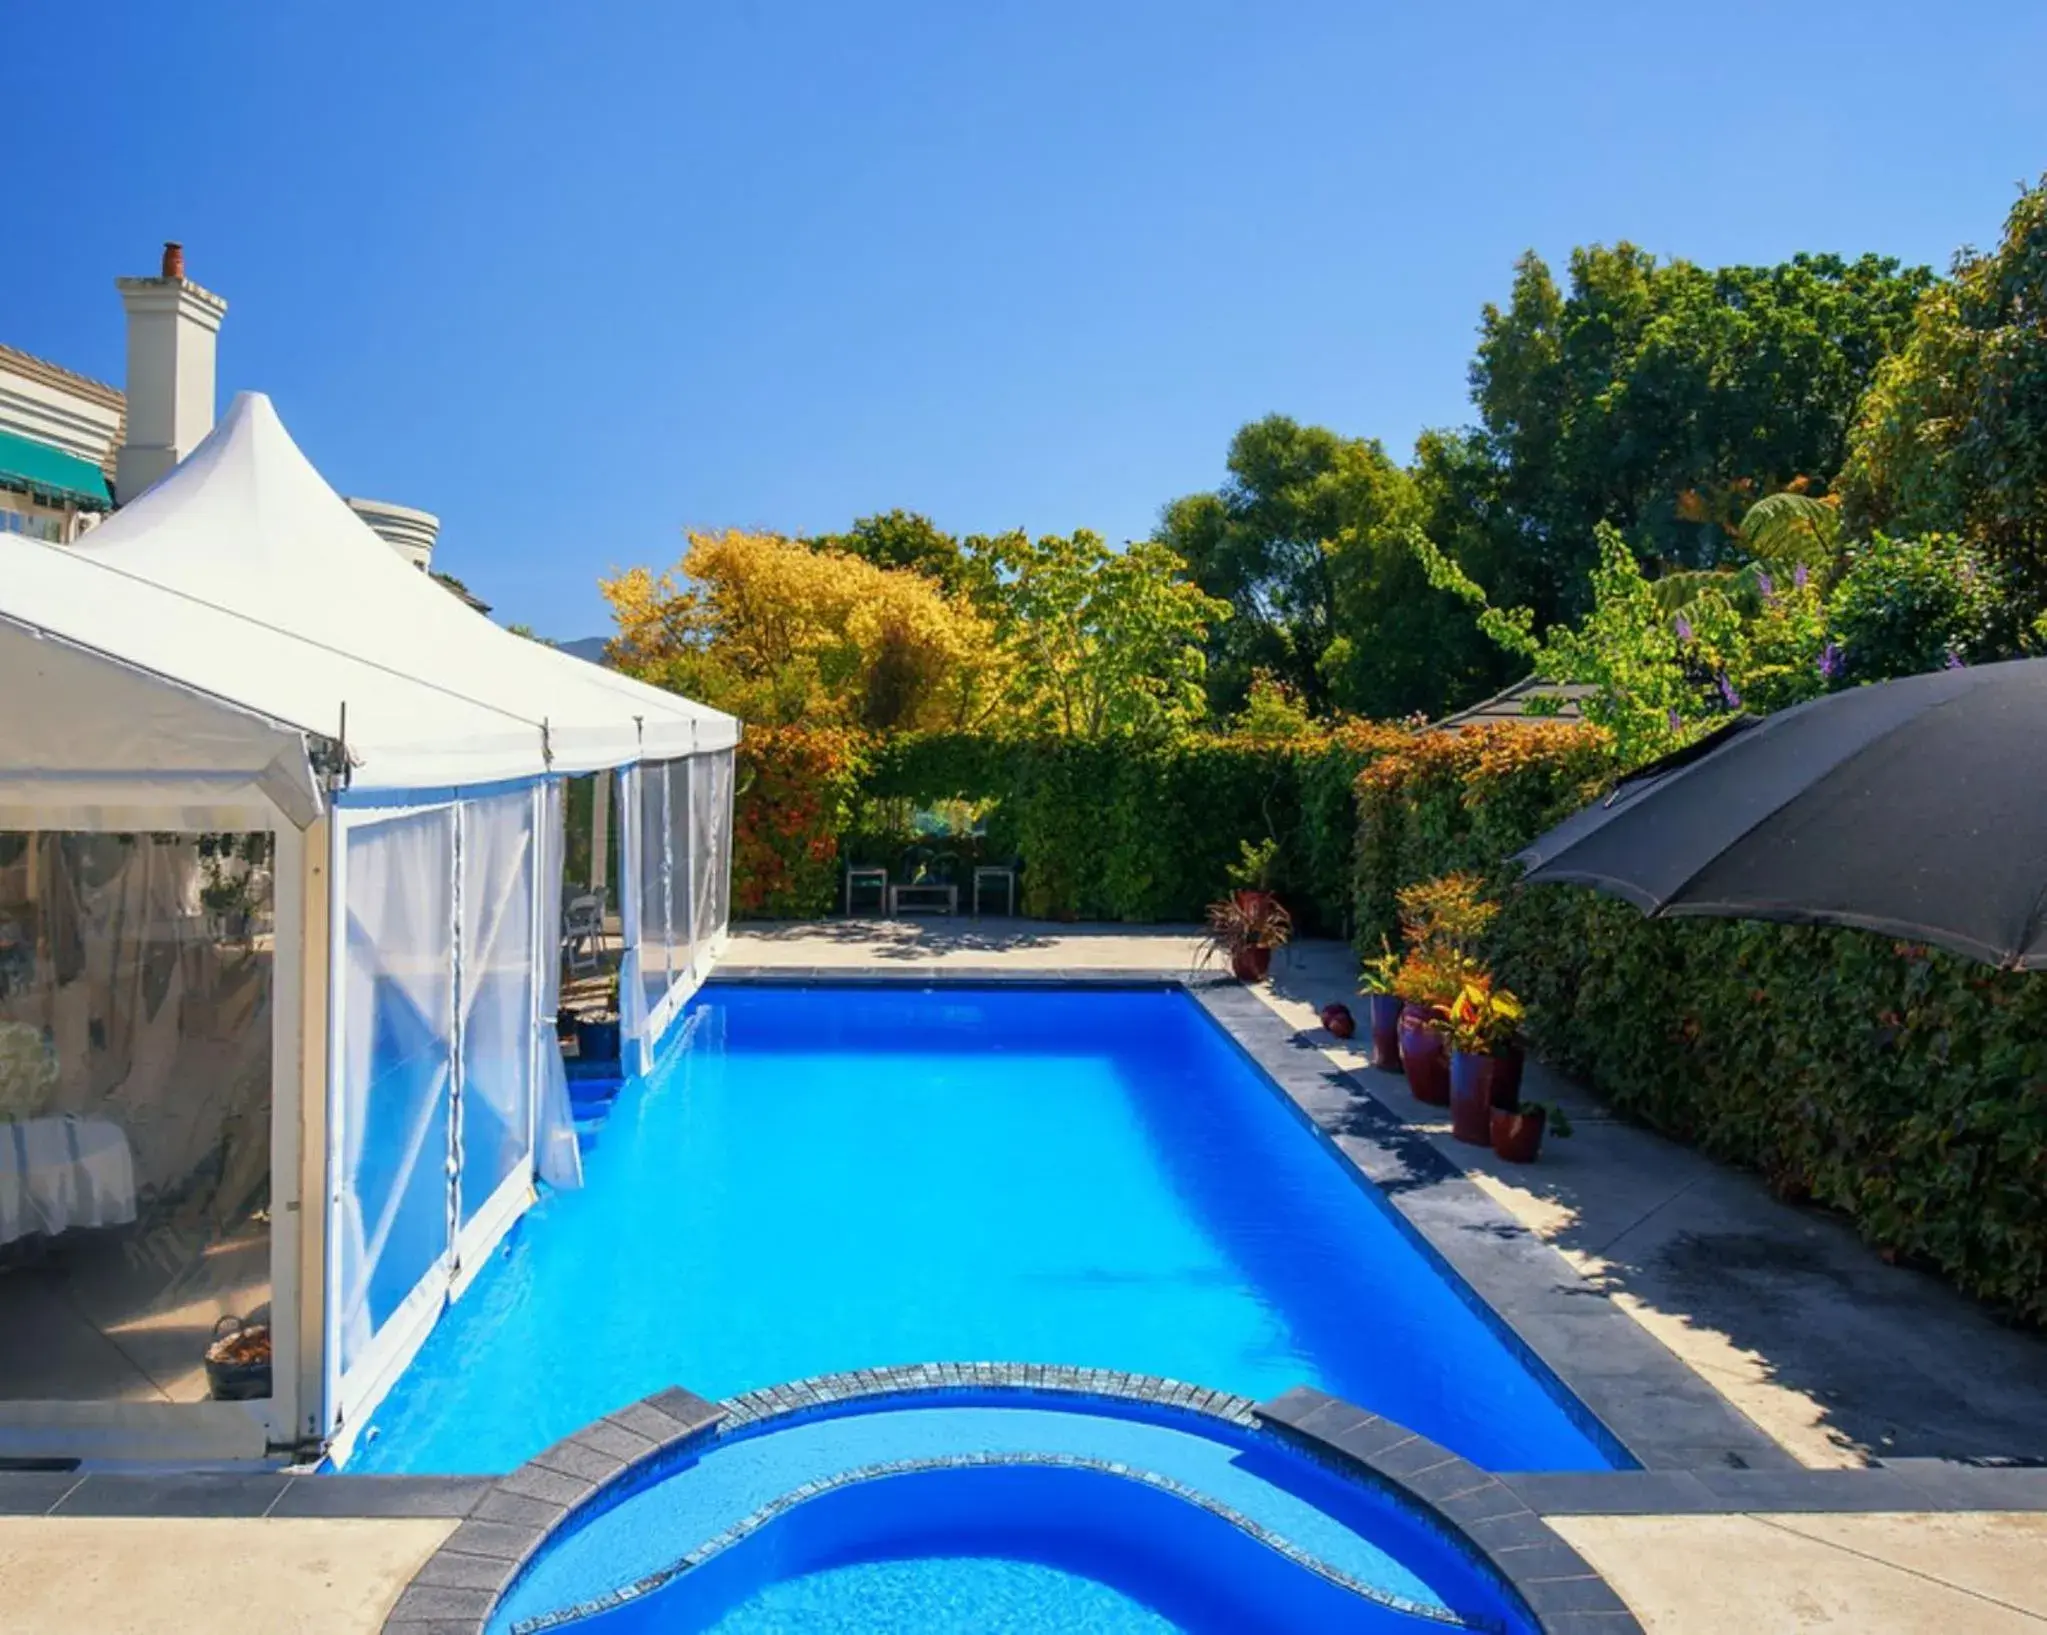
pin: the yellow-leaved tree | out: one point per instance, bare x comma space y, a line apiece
779, 632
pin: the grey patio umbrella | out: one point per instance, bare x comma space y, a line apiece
1914, 807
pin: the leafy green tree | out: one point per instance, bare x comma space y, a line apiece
1102, 641
1288, 541
1953, 434
1665, 398
1911, 605
902, 539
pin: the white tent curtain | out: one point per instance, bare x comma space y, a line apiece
653, 939
395, 1098
498, 983
682, 870
710, 851
556, 1154
632, 1002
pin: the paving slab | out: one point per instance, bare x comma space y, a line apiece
64, 1575
1781, 1575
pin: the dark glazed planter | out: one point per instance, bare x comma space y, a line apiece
1472, 1079
1507, 1075
1424, 1058
1517, 1136
1385, 1031
597, 1041
1250, 964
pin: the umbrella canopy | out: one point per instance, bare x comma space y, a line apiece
1914, 807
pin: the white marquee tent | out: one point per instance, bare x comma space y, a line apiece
236, 653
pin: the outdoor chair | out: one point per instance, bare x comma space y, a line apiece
583, 934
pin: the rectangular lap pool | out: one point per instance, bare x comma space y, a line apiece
828, 1178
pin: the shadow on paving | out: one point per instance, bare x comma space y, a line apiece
1894, 1361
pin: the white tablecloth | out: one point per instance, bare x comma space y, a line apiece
57, 1173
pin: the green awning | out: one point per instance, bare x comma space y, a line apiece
52, 475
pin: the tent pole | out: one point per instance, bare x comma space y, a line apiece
309, 1088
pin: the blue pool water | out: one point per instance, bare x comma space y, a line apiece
827, 1178
1017, 1545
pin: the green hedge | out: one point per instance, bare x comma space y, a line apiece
1906, 1088
1116, 830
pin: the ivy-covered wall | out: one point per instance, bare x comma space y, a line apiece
1903, 1086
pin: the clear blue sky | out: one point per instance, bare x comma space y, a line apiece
575, 276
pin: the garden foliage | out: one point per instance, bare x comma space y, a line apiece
1903, 1086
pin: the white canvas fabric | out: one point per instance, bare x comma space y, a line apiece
248, 526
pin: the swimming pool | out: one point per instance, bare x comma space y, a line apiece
991, 1509
826, 1178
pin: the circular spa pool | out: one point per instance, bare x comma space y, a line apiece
1007, 1510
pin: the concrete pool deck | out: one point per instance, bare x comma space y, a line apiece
1829, 1357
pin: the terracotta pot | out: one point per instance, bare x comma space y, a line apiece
1250, 964
1471, 1097
1386, 1032
1424, 1058
1339, 1021
1517, 1136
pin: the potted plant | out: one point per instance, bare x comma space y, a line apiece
1441, 922
238, 1361
1428, 983
1378, 981
1482, 1025
1517, 1131
1246, 926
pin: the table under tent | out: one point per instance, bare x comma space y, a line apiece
281, 863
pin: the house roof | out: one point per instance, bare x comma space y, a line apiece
55, 374
1513, 704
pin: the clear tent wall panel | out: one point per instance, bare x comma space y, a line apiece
682, 870
499, 986
651, 945
136, 1006
395, 1096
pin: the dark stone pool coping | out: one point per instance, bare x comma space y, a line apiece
461, 1584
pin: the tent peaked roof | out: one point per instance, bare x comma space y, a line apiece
245, 525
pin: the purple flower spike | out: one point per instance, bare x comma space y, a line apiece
1728, 695
1830, 661
1799, 575
1684, 628
1766, 585
1955, 660
1676, 721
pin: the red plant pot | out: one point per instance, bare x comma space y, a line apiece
1472, 1079
1507, 1065
1424, 1058
1386, 1032
1250, 964
1517, 1136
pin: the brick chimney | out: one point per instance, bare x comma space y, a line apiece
172, 328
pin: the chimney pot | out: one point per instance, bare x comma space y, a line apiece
173, 260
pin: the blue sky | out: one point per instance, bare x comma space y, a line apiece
578, 276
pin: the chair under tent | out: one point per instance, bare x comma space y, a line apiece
281, 859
